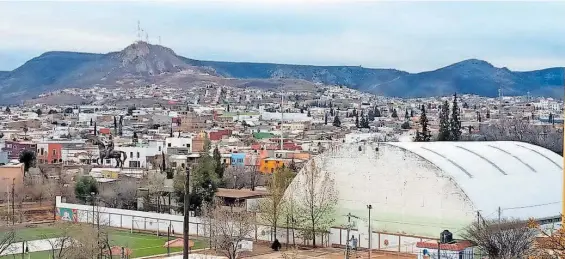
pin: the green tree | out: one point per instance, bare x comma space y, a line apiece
115, 126
488, 114
411, 113
424, 135
84, 187
39, 112
52, 112
8, 110
205, 180
309, 114
271, 207
27, 157
444, 128
220, 167
337, 122
316, 207
394, 113
406, 115
356, 120
378, 112
455, 122
163, 161
371, 115
405, 125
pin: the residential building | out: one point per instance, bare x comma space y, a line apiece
11, 175
14, 148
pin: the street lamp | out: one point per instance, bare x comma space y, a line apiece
370, 207
186, 218
93, 206
210, 188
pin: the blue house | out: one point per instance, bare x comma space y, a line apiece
238, 159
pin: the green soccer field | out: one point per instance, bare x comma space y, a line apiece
141, 244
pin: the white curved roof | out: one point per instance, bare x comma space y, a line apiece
526, 178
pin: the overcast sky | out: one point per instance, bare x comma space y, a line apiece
411, 36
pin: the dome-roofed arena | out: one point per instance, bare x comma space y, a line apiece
422, 188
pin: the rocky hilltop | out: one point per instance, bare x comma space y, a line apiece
142, 63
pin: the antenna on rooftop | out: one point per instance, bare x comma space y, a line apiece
138, 31
146, 37
500, 95
282, 112
159, 40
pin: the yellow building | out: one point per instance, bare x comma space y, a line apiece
269, 165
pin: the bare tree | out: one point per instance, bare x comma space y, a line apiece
238, 177
39, 189
91, 155
522, 130
290, 212
550, 242
59, 245
155, 184
7, 238
121, 195
235, 177
318, 199
228, 229
505, 239
271, 207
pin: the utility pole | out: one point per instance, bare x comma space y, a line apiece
349, 225
499, 215
186, 224
13, 198
282, 121
370, 207
169, 240
563, 194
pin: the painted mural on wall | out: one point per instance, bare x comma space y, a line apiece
67, 214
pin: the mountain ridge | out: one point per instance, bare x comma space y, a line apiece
142, 63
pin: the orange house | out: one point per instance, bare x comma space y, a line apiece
269, 165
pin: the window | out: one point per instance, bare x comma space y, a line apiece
188, 145
131, 154
168, 144
240, 160
42, 151
108, 161
159, 148
134, 164
174, 164
137, 154
54, 152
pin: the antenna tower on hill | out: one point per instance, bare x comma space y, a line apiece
138, 31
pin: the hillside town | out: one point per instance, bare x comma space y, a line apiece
138, 150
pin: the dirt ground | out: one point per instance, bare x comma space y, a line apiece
331, 253
262, 250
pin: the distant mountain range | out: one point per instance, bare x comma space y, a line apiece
142, 63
